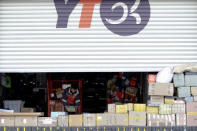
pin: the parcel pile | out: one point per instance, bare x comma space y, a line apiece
173, 104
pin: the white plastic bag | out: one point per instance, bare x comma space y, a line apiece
165, 75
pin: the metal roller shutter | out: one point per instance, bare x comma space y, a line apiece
30, 41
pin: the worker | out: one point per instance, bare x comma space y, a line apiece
71, 99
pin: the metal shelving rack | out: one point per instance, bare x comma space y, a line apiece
50, 89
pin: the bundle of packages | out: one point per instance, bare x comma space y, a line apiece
160, 120
137, 118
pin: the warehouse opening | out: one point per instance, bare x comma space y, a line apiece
45, 92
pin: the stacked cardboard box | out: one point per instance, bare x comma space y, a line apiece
75, 120
103, 119
26, 121
121, 108
152, 110
156, 99
140, 107
194, 93
137, 118
165, 109
47, 121
160, 120
62, 121
191, 108
111, 108
180, 119
178, 108
118, 119
161, 89
89, 119
7, 120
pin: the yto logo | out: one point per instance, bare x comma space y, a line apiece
122, 17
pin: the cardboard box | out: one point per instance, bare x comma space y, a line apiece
189, 99
62, 121
191, 79
169, 100
26, 121
165, 109
56, 114
130, 107
156, 99
195, 98
191, 107
179, 101
178, 109
139, 107
118, 120
152, 110
184, 92
111, 108
89, 119
28, 110
160, 120
152, 78
103, 119
181, 120
47, 121
121, 109
194, 91
75, 120
191, 120
6, 121
179, 80
137, 118
161, 89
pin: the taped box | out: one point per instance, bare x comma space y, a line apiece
89, 120
28, 109
169, 100
178, 109
181, 120
56, 114
194, 91
130, 107
121, 109
179, 80
191, 108
165, 109
184, 92
139, 107
47, 121
111, 108
103, 119
6, 120
156, 99
26, 121
62, 121
191, 79
160, 120
119, 119
152, 110
189, 99
137, 118
161, 89
195, 98
75, 120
